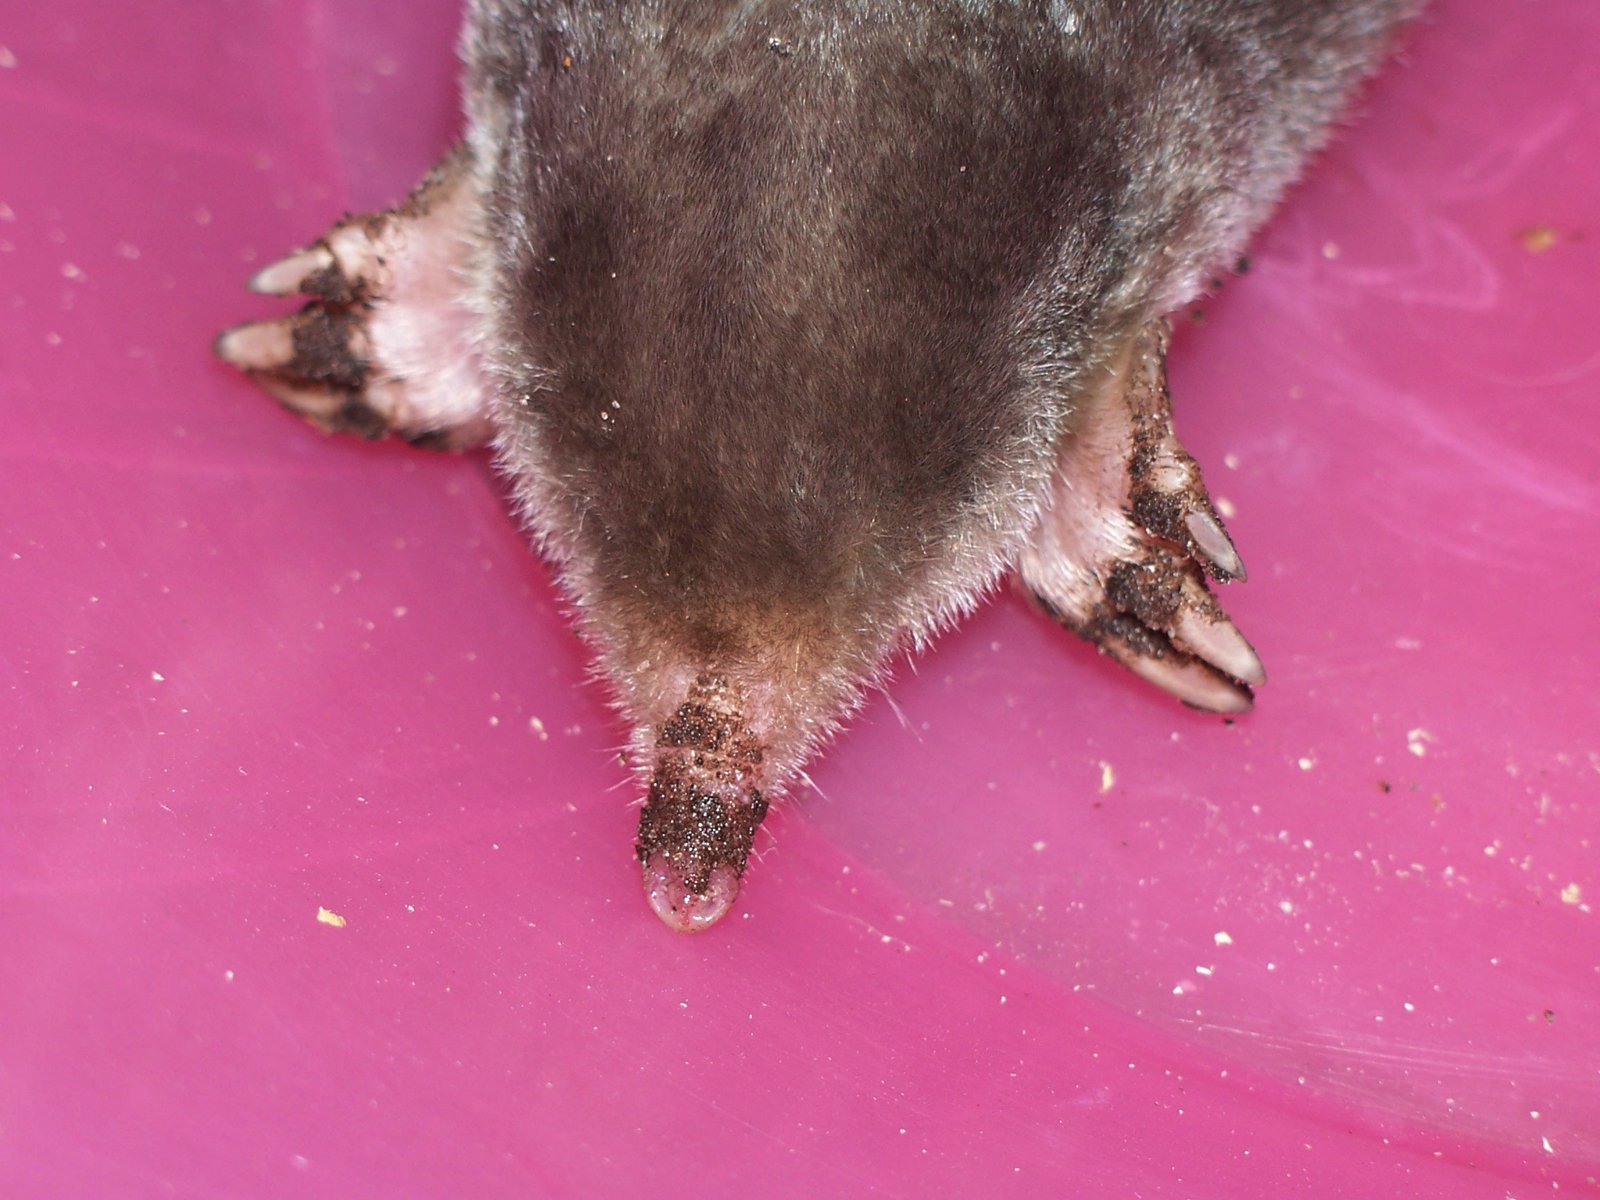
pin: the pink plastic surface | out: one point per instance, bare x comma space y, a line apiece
1042, 932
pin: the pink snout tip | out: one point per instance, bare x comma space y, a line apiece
679, 906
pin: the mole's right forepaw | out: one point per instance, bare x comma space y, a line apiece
1123, 552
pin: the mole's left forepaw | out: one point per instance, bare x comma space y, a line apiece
1122, 554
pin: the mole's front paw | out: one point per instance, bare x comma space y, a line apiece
1122, 554
319, 362
385, 342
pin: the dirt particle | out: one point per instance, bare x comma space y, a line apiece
1536, 239
326, 916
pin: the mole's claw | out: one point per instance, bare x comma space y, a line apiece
1212, 540
1182, 675
317, 346
256, 346
682, 907
297, 272
1204, 630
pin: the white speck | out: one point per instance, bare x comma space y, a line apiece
1222, 938
400, 610
1206, 971
1307, 762
538, 727
1330, 250
1231, 461
1407, 643
227, 976
158, 676
1286, 906
1548, 1148
1409, 1007
8, 60
1572, 894
71, 271
300, 1162
1108, 777
494, 720
1002, 999
328, 917
1417, 742
1226, 508
1039, 848
52, 338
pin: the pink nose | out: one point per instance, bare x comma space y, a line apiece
678, 905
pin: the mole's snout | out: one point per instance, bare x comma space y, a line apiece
682, 907
703, 808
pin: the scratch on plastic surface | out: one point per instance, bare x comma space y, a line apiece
886, 938
1508, 152
769, 1135
1347, 1045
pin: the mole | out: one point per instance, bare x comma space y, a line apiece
798, 327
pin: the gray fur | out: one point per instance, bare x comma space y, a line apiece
790, 301
798, 325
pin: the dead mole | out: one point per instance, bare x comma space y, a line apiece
799, 326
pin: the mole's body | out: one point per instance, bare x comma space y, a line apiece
798, 325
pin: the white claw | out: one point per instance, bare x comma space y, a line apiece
1215, 544
284, 277
1189, 679
256, 346
1220, 644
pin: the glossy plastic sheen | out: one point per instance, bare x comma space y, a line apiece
315, 866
